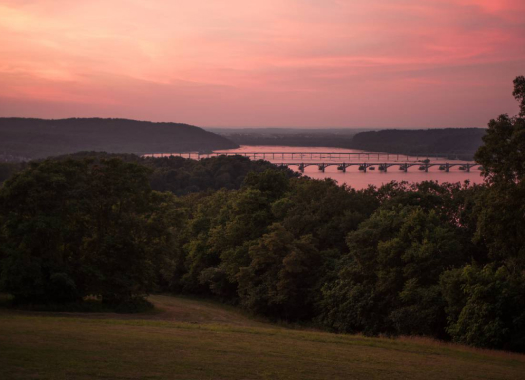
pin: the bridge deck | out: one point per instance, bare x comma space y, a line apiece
317, 155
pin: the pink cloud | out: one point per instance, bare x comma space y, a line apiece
385, 63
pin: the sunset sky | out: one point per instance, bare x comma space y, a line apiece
303, 63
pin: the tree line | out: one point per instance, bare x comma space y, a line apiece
440, 260
172, 173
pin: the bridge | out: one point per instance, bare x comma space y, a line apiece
312, 155
383, 166
364, 160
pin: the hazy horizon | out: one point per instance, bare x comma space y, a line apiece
373, 64
254, 127
298, 127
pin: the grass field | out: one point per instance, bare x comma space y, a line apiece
188, 339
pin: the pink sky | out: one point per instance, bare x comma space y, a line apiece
304, 63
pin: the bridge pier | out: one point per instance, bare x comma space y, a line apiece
301, 168
426, 168
447, 167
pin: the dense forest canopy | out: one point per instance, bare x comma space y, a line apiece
39, 138
426, 259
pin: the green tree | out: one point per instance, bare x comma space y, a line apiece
486, 306
324, 210
485, 301
389, 281
279, 280
40, 229
74, 228
208, 212
501, 221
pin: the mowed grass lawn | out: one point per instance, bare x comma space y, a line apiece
188, 339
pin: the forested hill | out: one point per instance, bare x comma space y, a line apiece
38, 138
451, 141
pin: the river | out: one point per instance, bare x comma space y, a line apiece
353, 176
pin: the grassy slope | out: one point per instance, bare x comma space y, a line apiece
188, 339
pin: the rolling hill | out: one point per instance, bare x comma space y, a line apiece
448, 141
38, 138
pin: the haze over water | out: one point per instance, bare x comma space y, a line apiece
355, 178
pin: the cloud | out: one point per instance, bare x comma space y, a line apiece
295, 62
